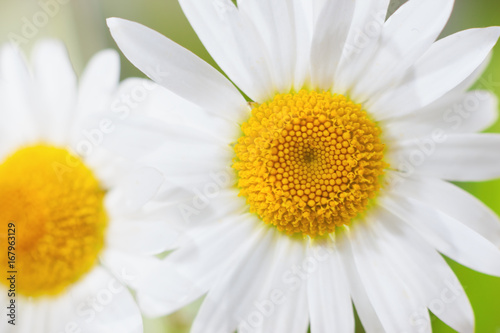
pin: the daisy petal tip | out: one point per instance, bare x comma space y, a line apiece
110, 55
113, 22
469, 326
49, 42
495, 31
151, 308
50, 46
8, 49
118, 25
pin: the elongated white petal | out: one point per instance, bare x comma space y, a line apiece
130, 269
134, 191
138, 136
430, 279
118, 310
444, 66
471, 112
97, 127
194, 268
330, 306
182, 163
330, 35
142, 237
291, 316
364, 307
233, 41
447, 235
454, 202
361, 44
387, 292
465, 157
306, 14
283, 300
275, 23
56, 81
98, 303
197, 207
178, 70
98, 82
19, 101
232, 297
35, 316
476, 75
163, 105
405, 37
4, 325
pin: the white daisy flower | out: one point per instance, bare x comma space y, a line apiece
331, 186
75, 229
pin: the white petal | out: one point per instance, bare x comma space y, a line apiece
139, 126
330, 306
233, 298
455, 202
178, 70
387, 291
56, 81
234, 43
447, 235
428, 275
306, 14
98, 303
476, 75
133, 139
191, 271
200, 207
99, 82
282, 301
361, 44
34, 316
194, 164
134, 191
462, 157
457, 93
471, 112
290, 317
18, 102
359, 293
312, 10
330, 35
163, 105
143, 116
104, 305
108, 168
4, 325
186, 157
275, 23
406, 35
129, 269
460, 95
142, 237
444, 66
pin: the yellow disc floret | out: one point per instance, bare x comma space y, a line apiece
52, 219
308, 162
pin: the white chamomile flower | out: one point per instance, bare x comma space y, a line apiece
74, 227
331, 187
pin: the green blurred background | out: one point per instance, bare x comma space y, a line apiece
81, 24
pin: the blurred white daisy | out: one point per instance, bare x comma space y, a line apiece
331, 186
75, 229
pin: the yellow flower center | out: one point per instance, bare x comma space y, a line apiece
52, 219
308, 162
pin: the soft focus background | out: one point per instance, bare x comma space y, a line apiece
81, 24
